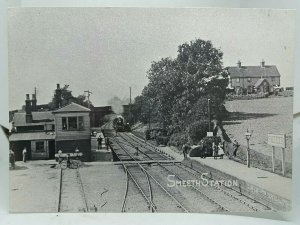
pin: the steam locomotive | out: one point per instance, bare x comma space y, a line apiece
120, 124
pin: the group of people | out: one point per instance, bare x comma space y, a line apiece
106, 141
12, 159
218, 150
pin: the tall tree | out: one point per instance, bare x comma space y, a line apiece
67, 97
179, 87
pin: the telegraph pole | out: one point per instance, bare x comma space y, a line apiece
130, 95
209, 114
88, 96
130, 115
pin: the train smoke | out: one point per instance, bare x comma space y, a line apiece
117, 104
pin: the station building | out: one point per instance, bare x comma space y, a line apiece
43, 133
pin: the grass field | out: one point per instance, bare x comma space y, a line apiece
263, 116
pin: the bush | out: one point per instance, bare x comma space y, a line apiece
162, 140
178, 139
198, 130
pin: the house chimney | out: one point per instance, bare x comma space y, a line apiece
239, 64
34, 101
262, 64
28, 116
57, 96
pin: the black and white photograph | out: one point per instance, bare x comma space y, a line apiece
150, 110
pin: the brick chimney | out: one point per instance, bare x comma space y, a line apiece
28, 110
33, 101
57, 96
239, 64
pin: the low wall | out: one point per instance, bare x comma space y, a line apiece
102, 156
259, 194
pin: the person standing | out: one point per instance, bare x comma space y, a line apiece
99, 142
60, 159
12, 158
215, 150
220, 150
24, 153
236, 146
185, 148
107, 142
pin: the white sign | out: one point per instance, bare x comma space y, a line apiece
210, 134
277, 140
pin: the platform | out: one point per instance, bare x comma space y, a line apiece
273, 189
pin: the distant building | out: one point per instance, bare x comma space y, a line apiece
253, 79
98, 114
43, 133
33, 130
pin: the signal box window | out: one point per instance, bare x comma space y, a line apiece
80, 123
64, 123
72, 123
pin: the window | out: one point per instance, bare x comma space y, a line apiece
238, 80
64, 123
72, 123
80, 122
49, 127
39, 146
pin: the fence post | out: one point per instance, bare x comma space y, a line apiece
283, 161
273, 159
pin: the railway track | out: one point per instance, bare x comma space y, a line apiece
227, 198
71, 192
144, 180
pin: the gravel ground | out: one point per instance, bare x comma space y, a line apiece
72, 196
34, 187
104, 186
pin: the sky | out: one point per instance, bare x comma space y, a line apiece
108, 50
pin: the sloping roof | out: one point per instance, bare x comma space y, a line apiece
259, 82
72, 107
38, 118
102, 109
19, 119
253, 71
42, 116
31, 136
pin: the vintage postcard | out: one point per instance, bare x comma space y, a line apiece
153, 110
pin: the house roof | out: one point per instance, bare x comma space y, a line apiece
72, 107
259, 82
102, 109
42, 116
31, 136
39, 118
253, 71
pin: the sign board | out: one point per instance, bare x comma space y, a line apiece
210, 134
277, 140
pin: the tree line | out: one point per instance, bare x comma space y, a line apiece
177, 94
